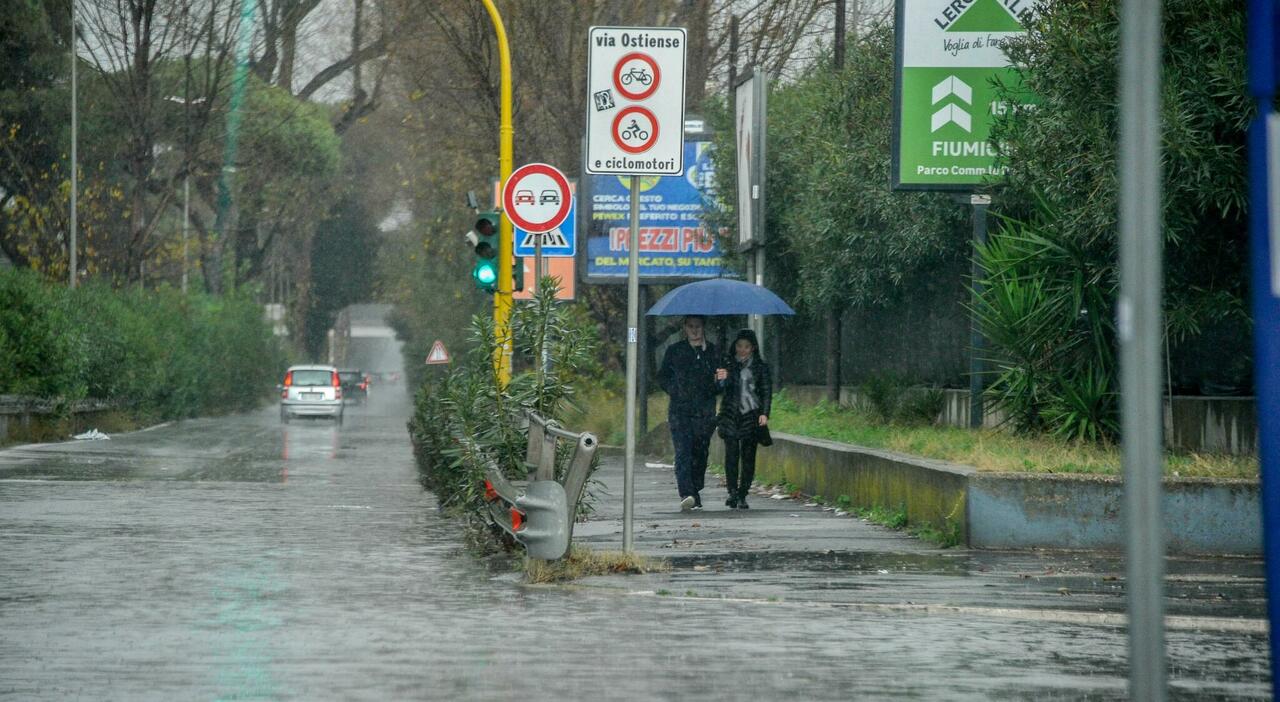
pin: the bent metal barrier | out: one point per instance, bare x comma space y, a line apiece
541, 516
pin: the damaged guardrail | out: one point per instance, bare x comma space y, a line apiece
541, 516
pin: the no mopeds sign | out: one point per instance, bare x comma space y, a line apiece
635, 115
537, 198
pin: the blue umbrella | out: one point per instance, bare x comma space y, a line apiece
719, 296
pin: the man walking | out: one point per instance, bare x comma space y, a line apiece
689, 374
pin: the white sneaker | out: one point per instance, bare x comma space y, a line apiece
686, 504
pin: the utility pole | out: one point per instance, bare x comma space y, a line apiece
733, 51
1139, 328
840, 32
186, 226
502, 301
75, 128
835, 330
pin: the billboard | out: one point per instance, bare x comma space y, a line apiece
675, 245
949, 55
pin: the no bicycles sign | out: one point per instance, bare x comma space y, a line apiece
635, 114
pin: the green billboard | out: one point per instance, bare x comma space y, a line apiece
950, 53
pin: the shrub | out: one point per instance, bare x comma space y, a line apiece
158, 352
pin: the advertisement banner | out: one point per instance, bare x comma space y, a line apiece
675, 245
949, 57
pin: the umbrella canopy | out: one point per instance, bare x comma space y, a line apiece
719, 296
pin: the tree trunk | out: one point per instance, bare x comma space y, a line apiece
356, 88
834, 328
288, 52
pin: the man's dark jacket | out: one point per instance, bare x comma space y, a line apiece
688, 375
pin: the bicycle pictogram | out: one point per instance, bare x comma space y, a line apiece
637, 74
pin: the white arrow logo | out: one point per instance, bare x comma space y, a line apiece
952, 86
950, 114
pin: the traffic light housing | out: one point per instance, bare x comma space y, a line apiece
483, 238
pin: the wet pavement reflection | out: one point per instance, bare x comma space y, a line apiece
237, 558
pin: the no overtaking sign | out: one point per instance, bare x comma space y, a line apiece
635, 114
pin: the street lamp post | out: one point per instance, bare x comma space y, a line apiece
502, 301
75, 186
186, 225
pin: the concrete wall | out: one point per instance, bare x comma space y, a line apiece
1010, 510
931, 492
29, 419
1076, 511
1191, 423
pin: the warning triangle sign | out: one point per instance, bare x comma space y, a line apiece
438, 353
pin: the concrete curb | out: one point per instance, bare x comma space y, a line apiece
1007, 510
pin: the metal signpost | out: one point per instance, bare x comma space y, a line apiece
1140, 328
635, 127
749, 137
948, 57
1264, 252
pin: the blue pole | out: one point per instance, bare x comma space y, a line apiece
1265, 286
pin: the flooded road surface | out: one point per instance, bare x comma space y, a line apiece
235, 558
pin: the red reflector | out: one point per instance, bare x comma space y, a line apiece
489, 493
517, 519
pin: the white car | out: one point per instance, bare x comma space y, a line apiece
311, 391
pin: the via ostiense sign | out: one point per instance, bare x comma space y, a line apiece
635, 101
949, 55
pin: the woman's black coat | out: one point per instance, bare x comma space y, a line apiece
729, 419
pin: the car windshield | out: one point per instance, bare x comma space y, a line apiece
312, 377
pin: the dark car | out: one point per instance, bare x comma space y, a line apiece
355, 387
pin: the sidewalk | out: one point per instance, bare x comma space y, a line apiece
786, 550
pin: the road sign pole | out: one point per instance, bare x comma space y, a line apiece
1264, 253
633, 324
1140, 327
506, 143
977, 342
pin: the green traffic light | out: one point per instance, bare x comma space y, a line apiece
485, 273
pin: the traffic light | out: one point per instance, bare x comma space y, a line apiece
483, 238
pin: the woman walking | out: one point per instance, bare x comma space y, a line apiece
744, 415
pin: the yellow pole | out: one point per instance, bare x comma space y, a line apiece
506, 135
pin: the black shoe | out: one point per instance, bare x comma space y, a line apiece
697, 501
731, 503
742, 502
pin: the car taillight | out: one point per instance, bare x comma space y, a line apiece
337, 382
364, 386
288, 379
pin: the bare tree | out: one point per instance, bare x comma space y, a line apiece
157, 58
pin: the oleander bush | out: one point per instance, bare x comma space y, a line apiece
463, 420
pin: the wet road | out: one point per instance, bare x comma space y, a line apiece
234, 558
